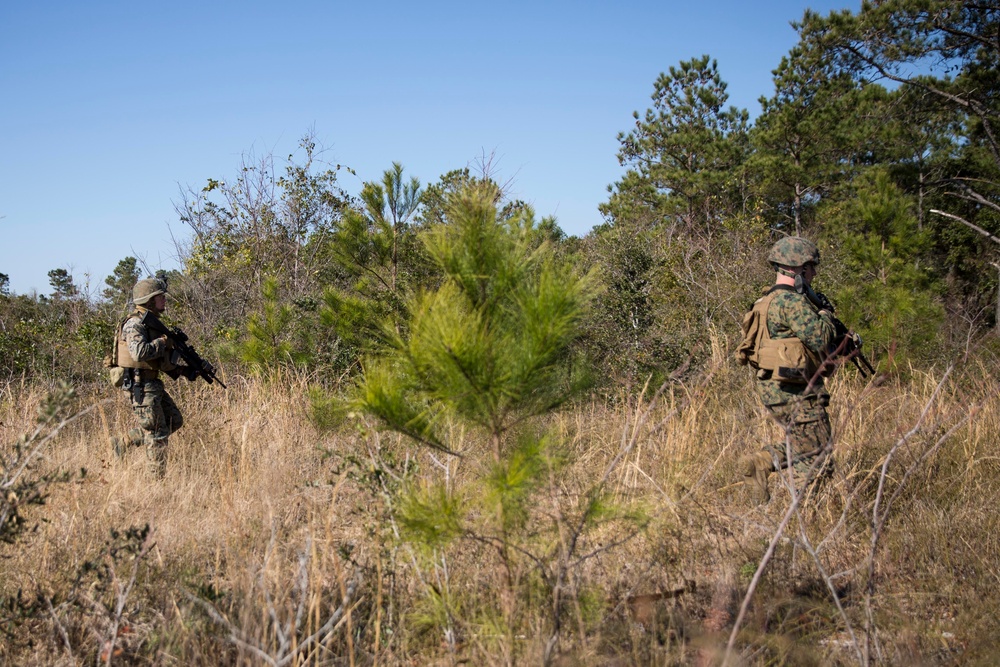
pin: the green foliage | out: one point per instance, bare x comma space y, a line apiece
904, 89
257, 225
378, 265
491, 345
622, 335
683, 155
434, 202
268, 344
327, 411
120, 282
884, 289
93, 338
480, 356
368, 242
812, 134
356, 321
942, 59
430, 516
680, 223
62, 284
62, 339
23, 480
513, 482
397, 400
20, 351
435, 610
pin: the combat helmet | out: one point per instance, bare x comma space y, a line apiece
146, 289
793, 251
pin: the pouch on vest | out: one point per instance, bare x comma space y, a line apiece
751, 325
117, 374
788, 359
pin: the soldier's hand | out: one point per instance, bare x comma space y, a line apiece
168, 344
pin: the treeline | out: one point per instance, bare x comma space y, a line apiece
880, 141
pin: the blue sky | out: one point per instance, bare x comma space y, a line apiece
108, 109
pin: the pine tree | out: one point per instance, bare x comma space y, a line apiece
816, 131
483, 359
62, 284
377, 253
490, 346
120, 282
271, 340
682, 156
882, 287
943, 59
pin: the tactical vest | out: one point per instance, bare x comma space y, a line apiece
121, 354
783, 359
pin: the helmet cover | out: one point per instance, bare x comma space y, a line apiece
146, 289
793, 251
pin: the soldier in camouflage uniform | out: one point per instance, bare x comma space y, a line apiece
786, 340
144, 358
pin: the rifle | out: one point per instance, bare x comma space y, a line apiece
199, 366
846, 343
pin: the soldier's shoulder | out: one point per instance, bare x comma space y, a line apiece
133, 323
790, 299
789, 305
789, 296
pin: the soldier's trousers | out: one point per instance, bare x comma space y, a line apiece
158, 417
806, 448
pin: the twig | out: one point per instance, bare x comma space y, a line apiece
758, 574
828, 580
58, 624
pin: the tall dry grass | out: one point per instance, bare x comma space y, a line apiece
274, 543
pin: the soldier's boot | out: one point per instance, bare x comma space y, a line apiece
118, 446
157, 452
756, 468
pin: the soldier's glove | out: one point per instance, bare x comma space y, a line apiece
171, 361
189, 372
168, 344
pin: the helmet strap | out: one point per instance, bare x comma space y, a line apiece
800, 285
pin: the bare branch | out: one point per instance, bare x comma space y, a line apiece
967, 224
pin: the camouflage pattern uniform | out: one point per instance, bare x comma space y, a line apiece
799, 407
146, 356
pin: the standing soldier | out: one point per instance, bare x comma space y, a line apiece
143, 357
786, 338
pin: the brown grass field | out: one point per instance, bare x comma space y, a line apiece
272, 542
